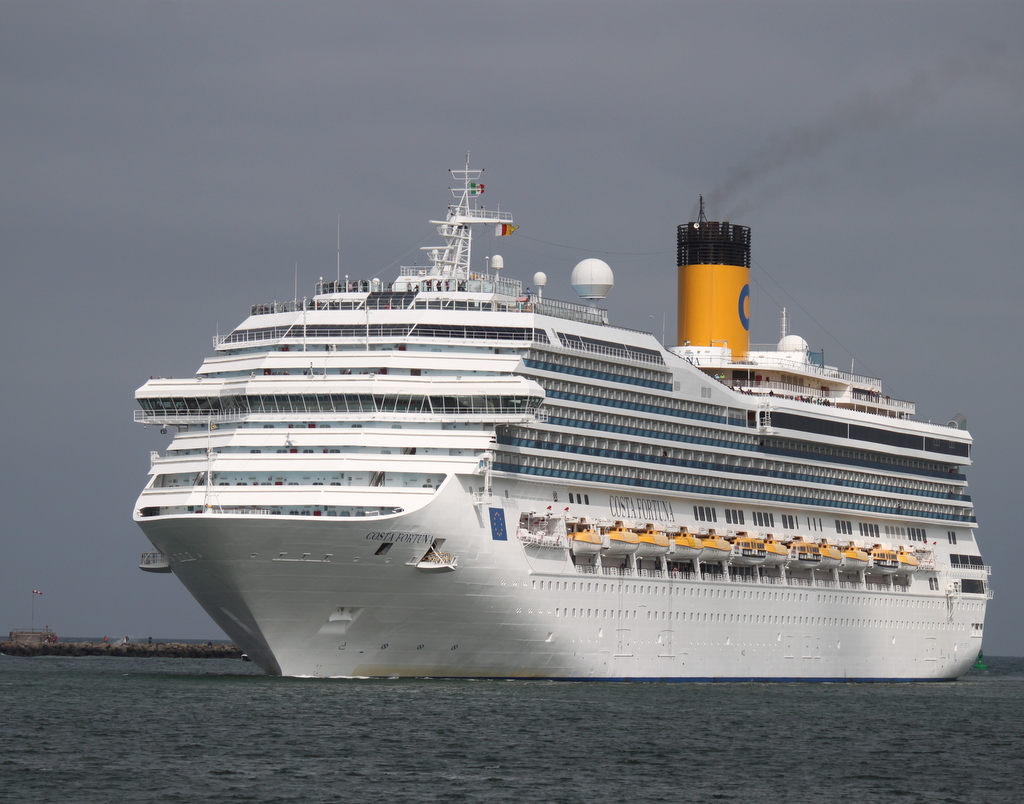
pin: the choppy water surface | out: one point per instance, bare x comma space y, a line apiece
178, 730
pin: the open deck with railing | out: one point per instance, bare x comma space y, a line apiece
721, 577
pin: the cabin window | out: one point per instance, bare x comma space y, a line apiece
705, 513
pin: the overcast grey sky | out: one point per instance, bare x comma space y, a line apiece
164, 164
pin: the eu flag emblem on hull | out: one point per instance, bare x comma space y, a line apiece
498, 531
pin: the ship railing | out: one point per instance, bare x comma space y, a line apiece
762, 361
620, 355
624, 572
189, 416
762, 386
827, 584
568, 310
850, 585
772, 579
682, 575
880, 587
586, 569
282, 307
646, 573
810, 394
798, 581
514, 413
884, 400
971, 568
473, 283
153, 560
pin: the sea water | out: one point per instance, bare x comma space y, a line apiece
99, 729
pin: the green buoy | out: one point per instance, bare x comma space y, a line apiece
980, 664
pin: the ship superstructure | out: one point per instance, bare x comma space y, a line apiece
446, 475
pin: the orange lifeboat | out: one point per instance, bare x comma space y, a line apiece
804, 554
855, 559
831, 556
775, 552
621, 541
715, 548
908, 561
652, 542
884, 560
686, 546
747, 551
584, 538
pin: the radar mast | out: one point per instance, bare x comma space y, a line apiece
453, 259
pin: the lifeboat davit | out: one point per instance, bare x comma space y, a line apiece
652, 542
747, 551
908, 561
686, 546
584, 538
621, 541
541, 530
804, 554
715, 549
775, 552
885, 560
831, 556
855, 559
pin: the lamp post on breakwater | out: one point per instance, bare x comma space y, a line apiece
33, 620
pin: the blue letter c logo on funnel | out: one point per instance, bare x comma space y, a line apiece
745, 307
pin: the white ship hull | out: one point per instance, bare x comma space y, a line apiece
446, 475
517, 611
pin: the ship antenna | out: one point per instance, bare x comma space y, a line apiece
702, 218
339, 251
454, 258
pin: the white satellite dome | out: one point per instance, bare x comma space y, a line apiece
793, 343
592, 278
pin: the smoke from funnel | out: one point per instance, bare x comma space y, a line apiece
866, 111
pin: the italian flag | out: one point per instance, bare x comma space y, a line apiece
476, 189
505, 229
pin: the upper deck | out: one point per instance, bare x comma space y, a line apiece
799, 375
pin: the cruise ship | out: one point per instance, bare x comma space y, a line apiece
443, 474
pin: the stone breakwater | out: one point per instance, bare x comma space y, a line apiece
163, 650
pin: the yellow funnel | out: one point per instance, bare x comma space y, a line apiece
714, 286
